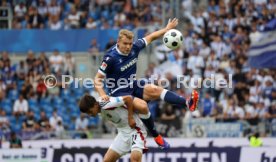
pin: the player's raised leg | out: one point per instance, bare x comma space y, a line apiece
153, 92
142, 108
111, 156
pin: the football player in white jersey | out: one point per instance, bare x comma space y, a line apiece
131, 135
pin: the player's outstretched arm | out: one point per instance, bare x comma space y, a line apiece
155, 35
98, 81
128, 100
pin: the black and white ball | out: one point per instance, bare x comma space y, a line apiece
173, 39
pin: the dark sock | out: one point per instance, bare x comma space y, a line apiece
149, 123
173, 98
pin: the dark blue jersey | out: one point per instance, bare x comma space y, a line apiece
120, 69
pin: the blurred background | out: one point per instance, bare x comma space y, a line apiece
233, 39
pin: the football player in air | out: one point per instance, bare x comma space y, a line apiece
120, 62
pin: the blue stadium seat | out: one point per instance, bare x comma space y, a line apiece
32, 102
48, 108
57, 101
71, 126
8, 109
20, 84
6, 101
12, 120
13, 94
94, 121
75, 114
16, 127
65, 94
66, 118
73, 107
45, 101
35, 109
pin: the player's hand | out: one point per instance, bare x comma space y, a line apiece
172, 24
131, 122
105, 97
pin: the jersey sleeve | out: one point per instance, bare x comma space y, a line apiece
106, 65
113, 103
140, 44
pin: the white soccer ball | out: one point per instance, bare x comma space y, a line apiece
173, 39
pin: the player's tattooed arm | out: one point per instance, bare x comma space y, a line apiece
128, 100
157, 34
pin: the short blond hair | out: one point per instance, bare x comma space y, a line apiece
126, 33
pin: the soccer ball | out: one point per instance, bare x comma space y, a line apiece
173, 39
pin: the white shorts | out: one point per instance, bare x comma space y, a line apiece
127, 142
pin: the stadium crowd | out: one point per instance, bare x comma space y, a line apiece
216, 41
69, 14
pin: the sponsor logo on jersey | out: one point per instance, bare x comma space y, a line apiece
132, 62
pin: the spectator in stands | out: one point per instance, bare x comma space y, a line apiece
3, 88
81, 123
35, 19
20, 106
207, 106
195, 63
91, 24
44, 122
30, 60
229, 109
55, 23
262, 111
4, 122
54, 9
44, 60
69, 64
15, 142
74, 18
5, 57
54, 119
41, 89
20, 11
30, 124
94, 49
272, 111
110, 43
56, 61
60, 130
21, 71
168, 113
54, 91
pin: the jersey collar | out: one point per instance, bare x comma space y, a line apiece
119, 52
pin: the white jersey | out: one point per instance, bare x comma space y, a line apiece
116, 112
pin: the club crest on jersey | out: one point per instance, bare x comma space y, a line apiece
103, 66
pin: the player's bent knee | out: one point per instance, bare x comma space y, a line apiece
136, 156
141, 106
153, 91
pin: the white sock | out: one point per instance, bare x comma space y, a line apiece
145, 116
163, 94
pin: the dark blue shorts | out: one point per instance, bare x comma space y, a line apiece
135, 89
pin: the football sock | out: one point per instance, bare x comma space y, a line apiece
149, 123
173, 98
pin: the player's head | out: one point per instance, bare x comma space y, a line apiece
89, 105
125, 41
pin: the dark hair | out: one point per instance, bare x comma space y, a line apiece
86, 102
